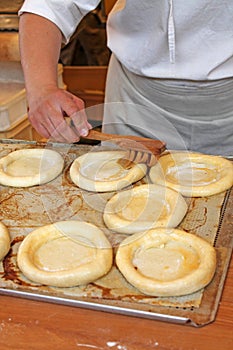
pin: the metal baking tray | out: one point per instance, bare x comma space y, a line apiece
22, 210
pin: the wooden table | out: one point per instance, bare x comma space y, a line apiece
26, 324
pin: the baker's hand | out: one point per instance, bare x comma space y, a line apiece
48, 111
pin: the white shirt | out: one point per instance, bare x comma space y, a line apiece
178, 39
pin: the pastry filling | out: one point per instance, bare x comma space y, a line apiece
63, 254
192, 174
107, 171
142, 207
166, 262
28, 166
25, 166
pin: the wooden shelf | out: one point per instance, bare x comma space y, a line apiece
88, 83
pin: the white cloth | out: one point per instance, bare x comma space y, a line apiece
186, 115
172, 39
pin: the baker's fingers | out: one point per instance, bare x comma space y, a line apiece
74, 109
41, 130
79, 123
61, 131
47, 116
53, 127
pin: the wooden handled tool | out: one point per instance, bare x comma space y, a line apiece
140, 149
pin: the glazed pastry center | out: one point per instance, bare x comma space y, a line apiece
142, 207
108, 171
166, 262
25, 166
192, 174
63, 254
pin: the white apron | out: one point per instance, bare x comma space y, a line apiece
196, 116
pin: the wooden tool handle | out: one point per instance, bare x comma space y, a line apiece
100, 136
148, 143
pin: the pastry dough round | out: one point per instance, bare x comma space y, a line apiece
166, 262
65, 254
30, 167
144, 207
102, 172
193, 174
4, 241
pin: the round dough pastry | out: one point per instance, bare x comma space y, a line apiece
166, 262
193, 174
144, 207
29, 167
65, 254
102, 171
4, 241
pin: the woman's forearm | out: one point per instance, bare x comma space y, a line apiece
40, 44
